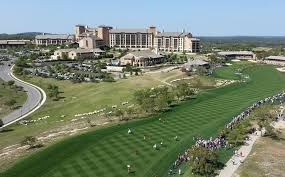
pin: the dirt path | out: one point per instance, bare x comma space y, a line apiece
233, 164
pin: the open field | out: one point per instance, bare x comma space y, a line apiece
107, 151
76, 98
91, 96
266, 158
7, 93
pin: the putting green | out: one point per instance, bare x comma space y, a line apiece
108, 151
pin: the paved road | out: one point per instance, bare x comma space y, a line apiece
34, 95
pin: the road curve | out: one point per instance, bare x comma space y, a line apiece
36, 96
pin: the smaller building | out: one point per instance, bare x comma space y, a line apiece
240, 55
115, 68
142, 58
275, 60
192, 65
77, 53
13, 43
91, 42
54, 39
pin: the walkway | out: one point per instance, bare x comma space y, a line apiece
36, 96
231, 168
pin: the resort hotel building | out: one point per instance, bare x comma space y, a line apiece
135, 39
132, 38
176, 42
150, 38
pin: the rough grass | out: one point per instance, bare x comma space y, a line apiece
7, 93
76, 98
106, 152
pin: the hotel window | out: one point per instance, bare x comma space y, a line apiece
175, 42
123, 39
167, 43
128, 39
138, 39
144, 39
158, 43
133, 39
117, 40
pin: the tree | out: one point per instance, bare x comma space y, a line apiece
119, 113
1, 123
53, 91
237, 135
32, 142
270, 131
203, 161
10, 103
11, 83
183, 90
201, 71
163, 99
89, 122
154, 99
64, 56
214, 59
130, 111
145, 99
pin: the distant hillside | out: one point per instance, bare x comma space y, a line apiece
255, 40
27, 36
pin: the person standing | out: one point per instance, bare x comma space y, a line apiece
179, 172
129, 168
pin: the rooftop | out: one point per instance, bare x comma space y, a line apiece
173, 34
55, 36
235, 53
195, 62
14, 42
129, 30
145, 54
79, 50
276, 58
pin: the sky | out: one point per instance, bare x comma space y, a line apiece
200, 17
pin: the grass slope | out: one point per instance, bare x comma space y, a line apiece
106, 152
7, 93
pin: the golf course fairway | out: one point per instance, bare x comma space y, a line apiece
106, 152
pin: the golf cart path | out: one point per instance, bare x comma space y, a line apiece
231, 168
36, 96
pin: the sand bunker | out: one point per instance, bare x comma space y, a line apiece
281, 69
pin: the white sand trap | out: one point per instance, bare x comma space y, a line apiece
281, 69
253, 61
235, 60
229, 64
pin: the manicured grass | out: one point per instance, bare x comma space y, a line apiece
7, 93
106, 152
228, 72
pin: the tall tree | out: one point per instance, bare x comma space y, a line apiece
11, 83
183, 90
1, 123
53, 91
203, 161
10, 103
